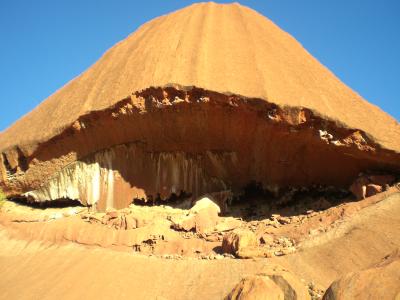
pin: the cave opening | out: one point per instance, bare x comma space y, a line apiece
182, 199
257, 202
59, 203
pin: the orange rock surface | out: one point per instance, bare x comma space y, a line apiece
225, 48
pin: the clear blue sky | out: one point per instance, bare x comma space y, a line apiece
44, 44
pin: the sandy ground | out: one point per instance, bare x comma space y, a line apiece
38, 271
37, 262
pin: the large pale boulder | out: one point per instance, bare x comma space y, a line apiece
202, 217
205, 203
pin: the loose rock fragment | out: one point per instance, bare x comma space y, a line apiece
202, 217
239, 241
256, 287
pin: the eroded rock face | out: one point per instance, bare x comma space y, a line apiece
234, 144
130, 127
124, 172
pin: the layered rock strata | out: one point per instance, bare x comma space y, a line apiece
190, 140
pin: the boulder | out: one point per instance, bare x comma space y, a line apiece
205, 203
201, 222
291, 286
273, 283
205, 221
202, 217
185, 223
238, 240
256, 287
381, 281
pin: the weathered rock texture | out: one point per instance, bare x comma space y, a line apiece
205, 99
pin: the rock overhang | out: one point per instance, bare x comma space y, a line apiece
164, 141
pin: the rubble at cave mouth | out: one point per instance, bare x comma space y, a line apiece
253, 195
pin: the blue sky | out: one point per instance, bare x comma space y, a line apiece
46, 43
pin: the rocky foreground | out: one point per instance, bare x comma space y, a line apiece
349, 250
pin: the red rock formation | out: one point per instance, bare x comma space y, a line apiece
205, 99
